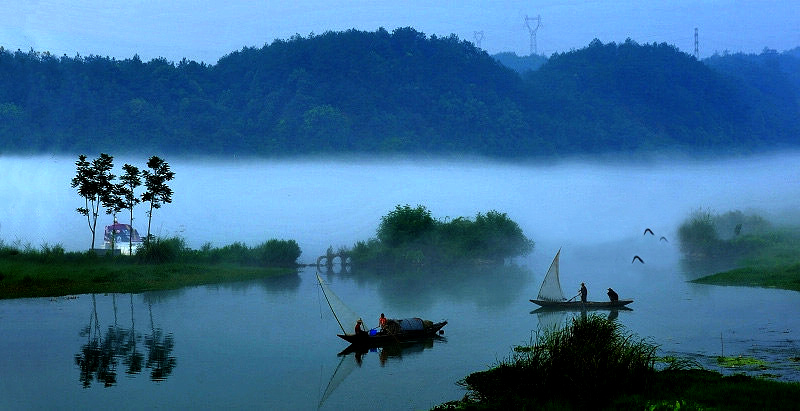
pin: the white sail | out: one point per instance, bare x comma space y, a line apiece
551, 286
344, 315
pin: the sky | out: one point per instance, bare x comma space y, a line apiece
206, 30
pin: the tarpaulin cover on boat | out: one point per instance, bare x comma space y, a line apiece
411, 324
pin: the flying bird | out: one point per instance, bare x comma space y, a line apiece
663, 238
636, 257
647, 230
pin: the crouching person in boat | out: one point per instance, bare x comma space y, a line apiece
382, 322
360, 328
612, 295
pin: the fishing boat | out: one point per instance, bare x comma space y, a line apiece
551, 295
395, 331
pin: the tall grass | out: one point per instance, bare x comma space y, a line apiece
588, 363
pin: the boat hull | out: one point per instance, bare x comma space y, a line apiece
580, 305
385, 338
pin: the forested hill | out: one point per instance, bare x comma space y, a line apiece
382, 92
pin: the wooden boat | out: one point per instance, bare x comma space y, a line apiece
579, 305
396, 330
402, 335
551, 296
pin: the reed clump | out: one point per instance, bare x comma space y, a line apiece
586, 364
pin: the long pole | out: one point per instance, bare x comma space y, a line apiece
319, 280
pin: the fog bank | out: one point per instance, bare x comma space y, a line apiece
321, 203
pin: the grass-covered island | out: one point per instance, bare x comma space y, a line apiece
50, 271
410, 236
593, 364
765, 254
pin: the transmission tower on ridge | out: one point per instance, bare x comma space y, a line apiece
696, 45
478, 38
532, 30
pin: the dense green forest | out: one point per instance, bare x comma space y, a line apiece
399, 92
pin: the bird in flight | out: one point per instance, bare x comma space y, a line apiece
647, 230
636, 257
663, 238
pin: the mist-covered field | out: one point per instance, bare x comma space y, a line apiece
321, 203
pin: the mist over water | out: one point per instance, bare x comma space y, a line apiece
321, 203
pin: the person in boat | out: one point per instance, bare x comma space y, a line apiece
360, 328
612, 295
583, 292
382, 322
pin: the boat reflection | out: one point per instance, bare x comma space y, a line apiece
99, 359
556, 318
354, 356
394, 350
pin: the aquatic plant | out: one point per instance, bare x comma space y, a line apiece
588, 362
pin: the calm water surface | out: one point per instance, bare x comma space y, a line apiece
272, 344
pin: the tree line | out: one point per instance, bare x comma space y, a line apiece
95, 183
396, 92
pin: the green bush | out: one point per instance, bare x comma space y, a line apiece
280, 253
586, 364
162, 250
404, 225
411, 237
735, 238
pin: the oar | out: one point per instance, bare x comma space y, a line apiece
574, 297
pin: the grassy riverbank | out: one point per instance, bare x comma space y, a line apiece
785, 277
592, 364
49, 271
766, 254
37, 279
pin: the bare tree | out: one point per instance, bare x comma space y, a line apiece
158, 192
93, 181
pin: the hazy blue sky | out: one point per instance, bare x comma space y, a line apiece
206, 30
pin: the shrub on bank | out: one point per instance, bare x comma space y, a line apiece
734, 239
586, 364
411, 236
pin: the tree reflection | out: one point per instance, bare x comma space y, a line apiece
98, 359
488, 286
159, 347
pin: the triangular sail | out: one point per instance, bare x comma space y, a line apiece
551, 286
344, 315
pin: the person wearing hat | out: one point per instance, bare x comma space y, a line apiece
360, 328
613, 295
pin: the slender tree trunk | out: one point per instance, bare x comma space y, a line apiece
95, 211
149, 219
130, 235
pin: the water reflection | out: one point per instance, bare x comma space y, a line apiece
281, 284
556, 318
394, 351
485, 285
99, 358
354, 357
